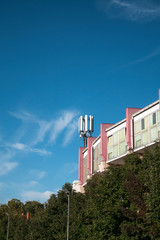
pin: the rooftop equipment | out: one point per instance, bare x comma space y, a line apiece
86, 127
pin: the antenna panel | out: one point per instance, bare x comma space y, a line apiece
86, 127
86, 123
91, 123
81, 124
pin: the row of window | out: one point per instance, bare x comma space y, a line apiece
117, 144
146, 122
146, 130
97, 158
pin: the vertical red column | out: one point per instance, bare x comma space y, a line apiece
129, 113
89, 159
81, 163
159, 101
104, 126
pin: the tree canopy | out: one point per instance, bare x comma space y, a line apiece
122, 202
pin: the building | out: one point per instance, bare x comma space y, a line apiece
140, 129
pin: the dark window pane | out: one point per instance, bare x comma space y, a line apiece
154, 118
142, 124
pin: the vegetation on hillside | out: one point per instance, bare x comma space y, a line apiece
122, 202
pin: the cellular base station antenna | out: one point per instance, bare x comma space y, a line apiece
86, 127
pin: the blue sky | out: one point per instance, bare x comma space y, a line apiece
61, 59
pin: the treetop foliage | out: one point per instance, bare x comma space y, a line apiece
122, 202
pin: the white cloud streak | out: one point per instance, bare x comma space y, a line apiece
30, 184
5, 164
36, 196
2, 185
71, 129
147, 57
74, 168
61, 123
44, 128
23, 115
46, 132
18, 146
28, 118
26, 148
0, 138
70, 167
41, 152
38, 174
51, 129
134, 10
6, 167
140, 60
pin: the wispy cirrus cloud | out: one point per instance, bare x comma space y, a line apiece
26, 148
18, 146
0, 138
74, 168
134, 10
1, 185
146, 57
38, 174
50, 129
44, 128
28, 185
71, 129
70, 167
40, 151
41, 126
152, 54
36, 133
23, 115
61, 123
6, 165
35, 195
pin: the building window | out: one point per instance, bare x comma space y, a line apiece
117, 144
85, 170
154, 118
142, 124
146, 129
137, 127
138, 143
110, 141
97, 158
110, 155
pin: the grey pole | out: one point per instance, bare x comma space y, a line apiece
7, 226
68, 194
85, 140
68, 217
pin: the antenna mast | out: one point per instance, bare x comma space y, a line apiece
86, 127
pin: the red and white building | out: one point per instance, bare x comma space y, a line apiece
140, 129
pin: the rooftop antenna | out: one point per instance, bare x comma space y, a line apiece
86, 127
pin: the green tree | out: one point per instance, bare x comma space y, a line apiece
104, 197
151, 172
120, 203
56, 214
3, 221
